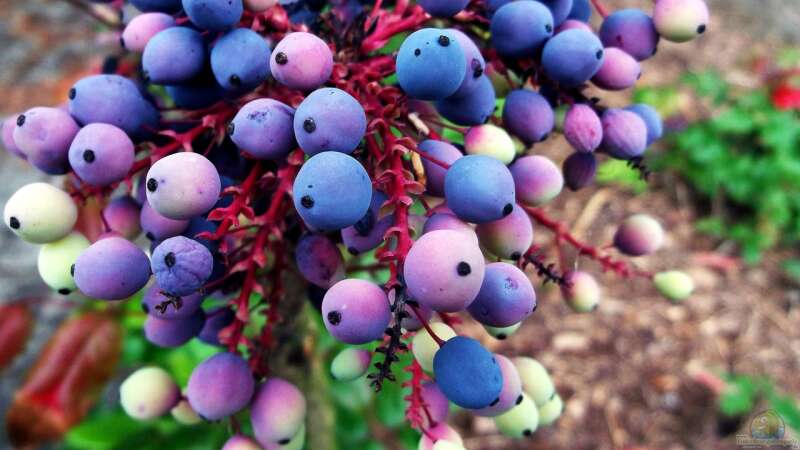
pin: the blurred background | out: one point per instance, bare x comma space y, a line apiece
638, 373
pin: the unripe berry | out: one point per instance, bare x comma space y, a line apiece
537, 180
581, 291
350, 364
490, 140
56, 259
674, 284
520, 421
298, 442
184, 414
502, 333
536, 382
241, 442
356, 311
639, 235
509, 237
440, 433
447, 445
680, 20
148, 393
278, 411
551, 411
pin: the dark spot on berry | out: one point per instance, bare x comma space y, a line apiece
516, 255
72, 93
477, 70
527, 433
548, 28
13, 222
64, 291
88, 156
235, 80
701, 29
284, 441
639, 76
545, 137
417, 52
334, 317
519, 399
21, 120
463, 269
501, 337
122, 42
307, 201
152, 185
496, 401
352, 251
231, 128
309, 125
169, 259
599, 54
281, 58
444, 41
508, 209
72, 270
150, 236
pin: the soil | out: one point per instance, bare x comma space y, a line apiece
628, 373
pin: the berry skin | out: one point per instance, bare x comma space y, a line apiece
44, 136
171, 333
111, 269
476, 65
424, 347
101, 154
332, 191
263, 129
551, 411
581, 10
473, 108
581, 291
40, 213
619, 71
559, 8
444, 271
467, 373
509, 395
7, 136
520, 421
356, 311
153, 297
241, 442
329, 119
240, 60
443, 8
301, 61
122, 216
157, 227
183, 185
536, 381
350, 364
184, 414
447, 445
214, 15
215, 321
571, 24
632, 31
181, 265
437, 403
490, 140
430, 64
319, 260
174, 55
506, 296
297, 442
220, 386
624, 134
165, 6
259, 5
520, 28
434, 173
278, 411
142, 28
528, 115
502, 333
440, 433
148, 393
357, 243
445, 221
56, 259
114, 100
652, 120
639, 235
572, 57
583, 128
680, 20
199, 92
509, 237
479, 189
537, 179
579, 170
674, 284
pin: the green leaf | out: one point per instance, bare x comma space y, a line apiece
105, 431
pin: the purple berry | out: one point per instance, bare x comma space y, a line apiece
520, 28
572, 57
652, 120
301, 61
183, 185
467, 374
329, 119
181, 265
474, 60
632, 31
278, 411
444, 270
263, 129
240, 60
241, 442
434, 173
479, 189
157, 227
624, 134
142, 28
446, 221
509, 237
172, 333
101, 154
114, 100
579, 170
154, 297
357, 243
639, 235
619, 71
437, 403
319, 260
506, 296
111, 269
473, 108
220, 386
8, 137
583, 128
443, 8
174, 55
356, 311
122, 216
537, 179
44, 136
214, 15
216, 320
528, 115
511, 392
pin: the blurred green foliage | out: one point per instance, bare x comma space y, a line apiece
359, 412
743, 393
742, 156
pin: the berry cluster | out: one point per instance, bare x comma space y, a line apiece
233, 134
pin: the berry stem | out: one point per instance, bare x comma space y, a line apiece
600, 7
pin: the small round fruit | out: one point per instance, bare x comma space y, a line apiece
443, 152
350, 364
171, 333
184, 414
40, 213
511, 393
502, 333
479, 189
639, 235
430, 64
122, 215
278, 411
437, 404
490, 140
183, 185
148, 393
44, 135
506, 296
111, 269
356, 311
319, 260
582, 128
528, 115
509, 237
536, 382
520, 421
581, 291
439, 433
241, 442
424, 347
56, 259
674, 284
467, 373
181, 265
329, 119
680, 20
154, 297
263, 129
624, 134
220, 386
301, 61
537, 180
551, 411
